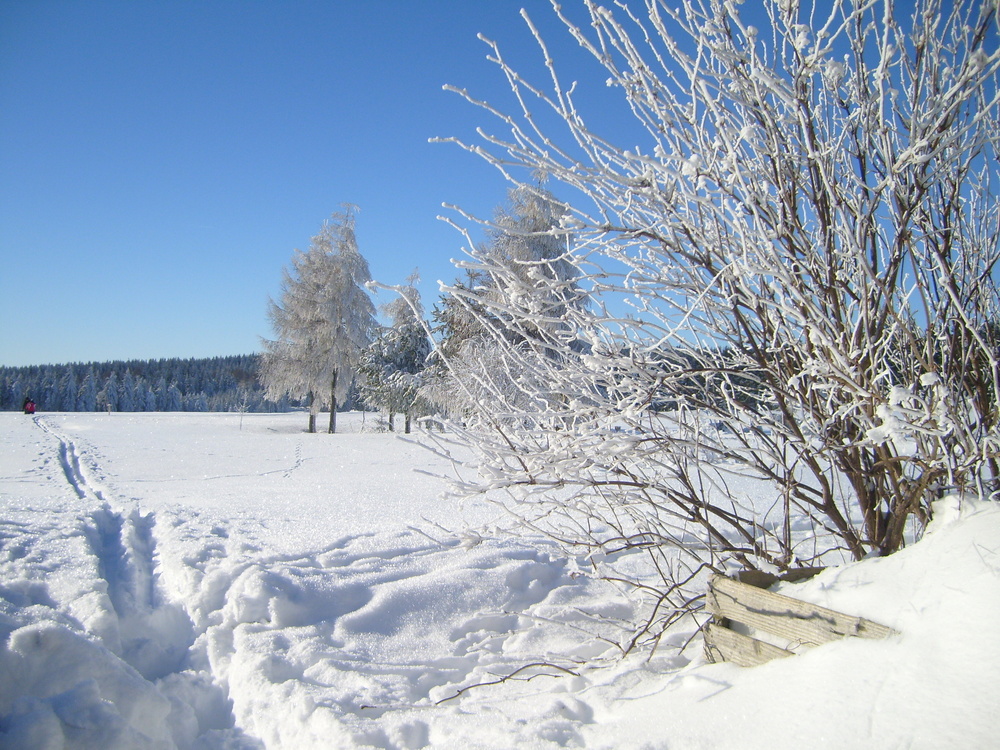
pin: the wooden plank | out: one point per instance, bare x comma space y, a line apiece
797, 622
763, 580
723, 644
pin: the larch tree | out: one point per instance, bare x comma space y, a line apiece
322, 323
790, 350
525, 258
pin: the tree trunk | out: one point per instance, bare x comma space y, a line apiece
409, 422
392, 421
333, 404
312, 413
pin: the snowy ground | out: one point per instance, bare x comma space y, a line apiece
186, 581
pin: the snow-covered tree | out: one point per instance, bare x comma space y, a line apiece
160, 393
525, 260
107, 398
524, 271
50, 387
792, 270
68, 388
391, 365
322, 323
126, 393
146, 396
87, 400
220, 377
174, 399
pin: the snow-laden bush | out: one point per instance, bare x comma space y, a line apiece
790, 344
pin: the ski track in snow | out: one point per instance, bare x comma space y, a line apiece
137, 620
125, 552
153, 634
83, 478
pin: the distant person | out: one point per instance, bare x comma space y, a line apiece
29, 406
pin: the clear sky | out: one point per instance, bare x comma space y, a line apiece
160, 160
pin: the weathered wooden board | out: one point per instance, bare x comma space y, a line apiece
763, 580
794, 622
723, 644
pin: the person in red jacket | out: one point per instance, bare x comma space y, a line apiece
29, 406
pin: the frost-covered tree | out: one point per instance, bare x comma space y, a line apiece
525, 259
68, 388
126, 393
391, 365
107, 398
458, 318
523, 270
160, 393
198, 402
322, 323
220, 377
791, 342
174, 399
50, 386
146, 397
87, 400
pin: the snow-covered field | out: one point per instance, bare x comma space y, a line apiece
208, 581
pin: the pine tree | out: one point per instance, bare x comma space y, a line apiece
108, 397
323, 322
146, 397
160, 393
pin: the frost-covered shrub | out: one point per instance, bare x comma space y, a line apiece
790, 342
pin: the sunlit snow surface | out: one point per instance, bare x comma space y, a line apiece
217, 581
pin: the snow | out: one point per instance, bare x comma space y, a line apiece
226, 581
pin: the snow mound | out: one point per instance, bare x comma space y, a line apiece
920, 689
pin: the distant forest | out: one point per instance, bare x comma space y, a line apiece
214, 384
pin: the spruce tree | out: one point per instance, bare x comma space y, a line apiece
391, 364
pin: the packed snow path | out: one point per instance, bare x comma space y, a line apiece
212, 582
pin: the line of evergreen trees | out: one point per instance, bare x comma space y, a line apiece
212, 384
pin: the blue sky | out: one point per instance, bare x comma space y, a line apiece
159, 161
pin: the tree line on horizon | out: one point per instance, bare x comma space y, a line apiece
226, 383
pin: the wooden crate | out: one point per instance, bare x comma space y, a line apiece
785, 626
